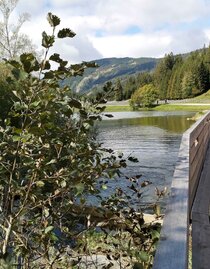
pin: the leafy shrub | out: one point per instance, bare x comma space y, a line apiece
49, 161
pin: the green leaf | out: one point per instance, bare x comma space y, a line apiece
143, 256
52, 161
104, 187
138, 265
155, 234
36, 130
40, 184
54, 237
29, 62
56, 58
53, 19
16, 138
66, 32
80, 188
19, 74
48, 229
75, 103
46, 212
35, 104
47, 40
63, 184
14, 64
49, 75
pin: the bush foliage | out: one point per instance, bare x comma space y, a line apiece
50, 161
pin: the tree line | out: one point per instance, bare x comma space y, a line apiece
175, 77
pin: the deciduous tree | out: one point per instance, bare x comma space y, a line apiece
12, 42
144, 96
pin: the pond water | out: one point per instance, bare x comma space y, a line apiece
154, 138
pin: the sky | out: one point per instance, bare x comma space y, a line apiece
121, 28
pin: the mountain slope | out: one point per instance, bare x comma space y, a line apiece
109, 69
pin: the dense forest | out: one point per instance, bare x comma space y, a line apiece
175, 77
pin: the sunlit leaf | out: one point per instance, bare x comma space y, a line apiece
16, 138
155, 234
40, 184
51, 162
53, 19
104, 187
48, 229
47, 40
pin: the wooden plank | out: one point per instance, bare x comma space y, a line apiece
196, 132
197, 161
197, 155
195, 171
196, 147
200, 220
197, 128
174, 234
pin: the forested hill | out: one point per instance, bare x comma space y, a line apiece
183, 76
110, 69
175, 77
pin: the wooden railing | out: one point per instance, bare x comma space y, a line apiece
173, 247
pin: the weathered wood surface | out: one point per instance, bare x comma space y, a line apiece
172, 251
200, 220
174, 240
199, 138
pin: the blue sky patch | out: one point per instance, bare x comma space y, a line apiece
132, 30
99, 33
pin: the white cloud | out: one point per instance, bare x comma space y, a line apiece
191, 40
207, 35
133, 46
100, 26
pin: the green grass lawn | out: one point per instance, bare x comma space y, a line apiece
118, 108
165, 107
203, 100
173, 107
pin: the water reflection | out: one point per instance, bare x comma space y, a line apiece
152, 137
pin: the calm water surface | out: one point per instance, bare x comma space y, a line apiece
153, 137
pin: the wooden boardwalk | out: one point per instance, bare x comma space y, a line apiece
189, 203
200, 219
